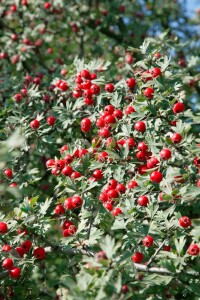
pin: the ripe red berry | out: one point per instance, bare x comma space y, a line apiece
178, 107
59, 164
26, 245
108, 206
185, 222
143, 200
20, 251
112, 194
198, 183
109, 119
147, 241
116, 211
146, 76
17, 98
39, 253
70, 231
104, 132
77, 201
75, 175
142, 169
3, 228
51, 120
86, 125
157, 55
142, 146
132, 184
109, 109
152, 162
149, 93
55, 171
120, 188
7, 264
112, 183
155, 72
50, 163
63, 86
156, 176
193, 249
137, 257
141, 155
67, 171
35, 124
47, 5
59, 209
118, 114
15, 273
140, 126
103, 197
102, 156
131, 83
85, 74
68, 203
165, 154
8, 173
131, 143
98, 174
109, 87
6, 248
95, 89
176, 138
125, 289
85, 85
63, 149
129, 110
167, 248
66, 224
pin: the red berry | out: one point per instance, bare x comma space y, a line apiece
103, 197
13, 184
50, 163
116, 211
63, 149
167, 248
68, 203
131, 82
104, 132
149, 93
98, 174
137, 257
95, 89
35, 124
102, 156
47, 5
157, 55
155, 72
147, 241
67, 224
7, 264
6, 248
67, 171
113, 194
26, 245
178, 107
140, 126
75, 175
17, 98
86, 85
8, 173
132, 184
70, 231
20, 251
93, 76
112, 183
193, 249
141, 155
142, 146
198, 183
77, 201
59, 209
156, 176
3, 228
125, 289
63, 86
109, 87
165, 154
131, 143
176, 138
51, 120
120, 188
118, 114
146, 76
152, 162
129, 110
108, 206
39, 253
185, 222
85, 74
143, 200
15, 273
59, 164
142, 169
86, 125
109, 109
196, 161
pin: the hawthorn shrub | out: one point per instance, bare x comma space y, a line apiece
100, 185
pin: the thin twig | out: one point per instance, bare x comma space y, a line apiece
156, 252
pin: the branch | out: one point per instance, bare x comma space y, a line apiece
145, 268
156, 252
72, 251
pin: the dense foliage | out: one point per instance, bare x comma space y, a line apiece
100, 161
